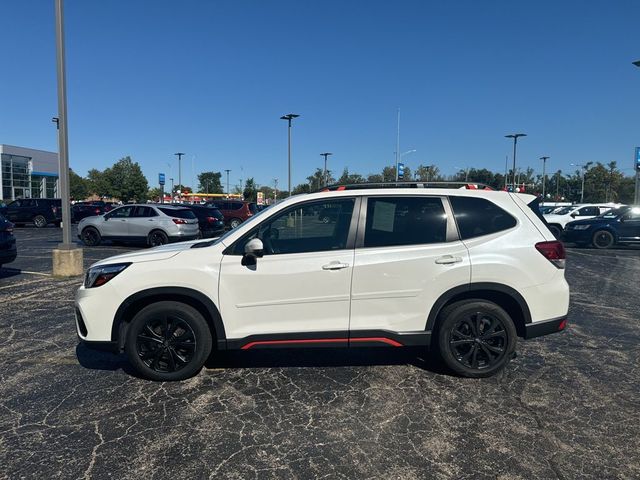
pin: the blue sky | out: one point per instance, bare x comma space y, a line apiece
211, 78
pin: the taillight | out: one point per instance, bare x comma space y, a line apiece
179, 221
211, 220
553, 251
97, 211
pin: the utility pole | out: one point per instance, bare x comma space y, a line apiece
66, 258
325, 155
179, 155
398, 146
171, 179
506, 171
515, 143
227, 182
275, 189
289, 117
557, 184
544, 175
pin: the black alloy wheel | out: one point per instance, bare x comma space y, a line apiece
157, 238
168, 341
235, 223
39, 221
603, 239
90, 237
476, 338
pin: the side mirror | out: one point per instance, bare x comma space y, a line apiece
253, 250
574, 215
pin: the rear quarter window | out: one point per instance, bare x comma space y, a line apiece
477, 217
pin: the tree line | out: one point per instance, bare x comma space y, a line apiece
602, 183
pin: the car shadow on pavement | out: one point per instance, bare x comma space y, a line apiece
282, 358
9, 272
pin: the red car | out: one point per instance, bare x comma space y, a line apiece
235, 211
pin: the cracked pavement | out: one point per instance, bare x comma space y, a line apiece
567, 407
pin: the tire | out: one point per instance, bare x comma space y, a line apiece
603, 239
152, 343
157, 238
235, 223
466, 323
90, 237
556, 231
39, 221
325, 219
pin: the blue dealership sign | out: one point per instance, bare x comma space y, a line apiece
161, 178
400, 171
637, 160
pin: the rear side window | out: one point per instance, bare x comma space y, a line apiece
253, 208
478, 216
178, 212
144, 212
236, 206
393, 221
588, 211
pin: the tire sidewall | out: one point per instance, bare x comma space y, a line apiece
450, 315
198, 324
165, 238
97, 237
234, 223
36, 221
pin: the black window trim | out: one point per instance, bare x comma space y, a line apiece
451, 232
351, 236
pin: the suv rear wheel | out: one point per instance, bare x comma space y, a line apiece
90, 237
39, 221
157, 238
476, 338
168, 341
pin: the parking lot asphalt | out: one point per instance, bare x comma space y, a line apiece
567, 407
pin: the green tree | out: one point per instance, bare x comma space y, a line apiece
389, 174
98, 184
126, 180
302, 188
209, 182
317, 181
154, 194
427, 173
350, 178
78, 189
250, 191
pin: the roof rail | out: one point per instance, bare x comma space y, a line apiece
364, 186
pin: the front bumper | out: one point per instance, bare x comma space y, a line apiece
538, 329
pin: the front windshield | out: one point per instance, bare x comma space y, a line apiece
616, 212
564, 211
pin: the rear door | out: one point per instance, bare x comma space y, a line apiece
407, 255
141, 222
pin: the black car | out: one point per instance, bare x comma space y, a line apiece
81, 210
39, 211
618, 226
8, 251
210, 220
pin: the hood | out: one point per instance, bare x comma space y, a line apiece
151, 254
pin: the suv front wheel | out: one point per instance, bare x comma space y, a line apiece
168, 341
476, 338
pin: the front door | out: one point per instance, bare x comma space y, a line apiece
302, 283
629, 227
116, 222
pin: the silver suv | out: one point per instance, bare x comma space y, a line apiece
154, 224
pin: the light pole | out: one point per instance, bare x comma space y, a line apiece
325, 155
515, 143
466, 172
637, 169
584, 167
227, 182
275, 189
289, 117
171, 180
544, 175
179, 155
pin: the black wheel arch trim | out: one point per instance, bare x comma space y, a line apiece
212, 316
470, 288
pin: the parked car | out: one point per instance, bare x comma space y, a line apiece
80, 210
393, 270
8, 250
235, 211
39, 211
210, 220
619, 226
558, 219
154, 224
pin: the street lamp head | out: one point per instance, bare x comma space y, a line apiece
289, 116
179, 154
325, 154
636, 63
516, 135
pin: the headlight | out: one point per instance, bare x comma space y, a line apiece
580, 227
97, 276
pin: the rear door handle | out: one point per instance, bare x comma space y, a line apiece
335, 266
448, 260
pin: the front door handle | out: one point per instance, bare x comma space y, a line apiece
448, 260
335, 266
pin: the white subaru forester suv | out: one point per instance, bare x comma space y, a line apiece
463, 272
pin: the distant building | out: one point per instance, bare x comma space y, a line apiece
28, 173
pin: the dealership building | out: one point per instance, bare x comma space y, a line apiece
27, 173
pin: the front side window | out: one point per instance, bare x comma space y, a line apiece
122, 212
477, 216
393, 221
588, 212
302, 229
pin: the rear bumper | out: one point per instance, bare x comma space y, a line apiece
538, 329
